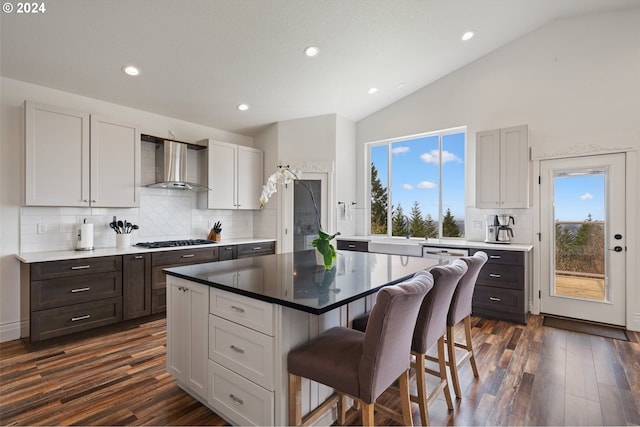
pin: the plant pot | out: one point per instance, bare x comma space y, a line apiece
320, 259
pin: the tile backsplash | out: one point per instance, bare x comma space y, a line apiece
162, 215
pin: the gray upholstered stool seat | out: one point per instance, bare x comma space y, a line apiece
361, 365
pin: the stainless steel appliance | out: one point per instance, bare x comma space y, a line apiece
175, 243
443, 254
171, 164
498, 228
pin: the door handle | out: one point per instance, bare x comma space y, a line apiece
616, 249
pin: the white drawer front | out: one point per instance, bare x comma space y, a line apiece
254, 314
238, 399
243, 350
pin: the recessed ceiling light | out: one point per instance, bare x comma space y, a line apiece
131, 70
401, 85
372, 90
312, 51
243, 107
468, 35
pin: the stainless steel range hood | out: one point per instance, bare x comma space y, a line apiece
171, 166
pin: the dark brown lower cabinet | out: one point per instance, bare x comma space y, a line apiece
70, 296
501, 290
73, 295
136, 286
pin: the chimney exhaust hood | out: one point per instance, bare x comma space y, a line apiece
171, 164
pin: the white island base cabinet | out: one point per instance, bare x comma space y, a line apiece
248, 341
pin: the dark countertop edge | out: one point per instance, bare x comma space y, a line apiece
281, 302
65, 254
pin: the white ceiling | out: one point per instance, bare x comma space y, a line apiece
201, 58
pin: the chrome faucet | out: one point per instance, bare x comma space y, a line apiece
407, 222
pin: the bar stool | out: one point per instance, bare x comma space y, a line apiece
460, 311
431, 326
361, 365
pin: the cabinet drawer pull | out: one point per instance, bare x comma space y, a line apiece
495, 256
257, 248
188, 256
236, 399
228, 249
495, 276
73, 291
352, 246
75, 319
237, 309
80, 267
236, 349
495, 299
138, 257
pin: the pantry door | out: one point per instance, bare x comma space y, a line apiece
583, 251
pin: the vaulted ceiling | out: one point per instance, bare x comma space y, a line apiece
200, 59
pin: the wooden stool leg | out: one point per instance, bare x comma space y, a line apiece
405, 400
467, 333
342, 409
443, 372
367, 414
421, 384
453, 365
295, 400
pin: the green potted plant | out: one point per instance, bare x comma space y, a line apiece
322, 243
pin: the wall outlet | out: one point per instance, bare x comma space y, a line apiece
42, 228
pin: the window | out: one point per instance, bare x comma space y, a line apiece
417, 185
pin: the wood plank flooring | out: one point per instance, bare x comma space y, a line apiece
529, 375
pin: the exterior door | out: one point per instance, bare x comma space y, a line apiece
583, 252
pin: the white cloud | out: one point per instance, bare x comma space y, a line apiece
586, 196
400, 150
407, 187
434, 157
427, 185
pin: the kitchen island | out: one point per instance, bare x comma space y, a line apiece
231, 324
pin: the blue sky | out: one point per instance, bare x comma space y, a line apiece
577, 196
416, 175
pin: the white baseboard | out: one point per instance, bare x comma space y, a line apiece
10, 331
634, 325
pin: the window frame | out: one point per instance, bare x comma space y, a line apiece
388, 142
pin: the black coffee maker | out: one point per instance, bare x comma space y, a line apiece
504, 232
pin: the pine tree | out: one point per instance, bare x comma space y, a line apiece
449, 226
379, 204
398, 222
431, 230
416, 222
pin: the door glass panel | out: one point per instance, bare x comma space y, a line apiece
306, 192
580, 225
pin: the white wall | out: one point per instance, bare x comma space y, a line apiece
575, 82
12, 96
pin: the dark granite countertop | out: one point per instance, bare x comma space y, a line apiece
294, 280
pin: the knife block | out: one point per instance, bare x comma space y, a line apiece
216, 237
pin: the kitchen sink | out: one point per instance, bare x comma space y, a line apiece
396, 246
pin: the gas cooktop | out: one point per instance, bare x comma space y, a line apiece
174, 243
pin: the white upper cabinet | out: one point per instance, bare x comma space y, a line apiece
115, 163
502, 168
234, 174
78, 159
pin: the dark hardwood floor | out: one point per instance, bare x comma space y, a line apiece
529, 375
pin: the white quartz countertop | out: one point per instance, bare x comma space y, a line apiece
444, 243
98, 252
